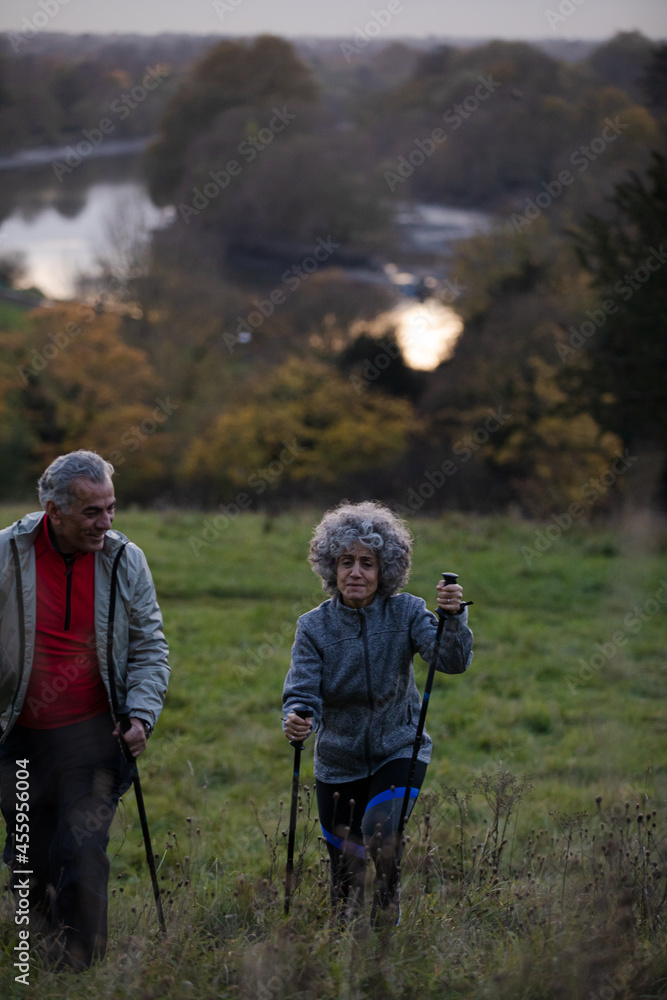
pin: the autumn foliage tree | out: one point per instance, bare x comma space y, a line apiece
70, 381
522, 291
301, 424
489, 124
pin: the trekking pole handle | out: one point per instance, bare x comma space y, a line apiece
124, 724
452, 578
303, 712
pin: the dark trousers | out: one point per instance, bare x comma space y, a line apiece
359, 819
76, 775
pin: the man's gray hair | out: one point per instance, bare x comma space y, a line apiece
370, 524
55, 483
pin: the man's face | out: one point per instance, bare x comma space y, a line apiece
83, 527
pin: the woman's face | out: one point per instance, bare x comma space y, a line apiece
357, 573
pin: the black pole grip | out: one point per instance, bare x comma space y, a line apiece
304, 713
124, 724
452, 578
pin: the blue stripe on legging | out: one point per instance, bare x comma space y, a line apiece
350, 846
395, 793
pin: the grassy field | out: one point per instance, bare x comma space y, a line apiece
12, 316
538, 852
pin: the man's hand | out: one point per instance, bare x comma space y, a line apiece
135, 737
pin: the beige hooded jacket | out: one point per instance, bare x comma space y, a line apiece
139, 648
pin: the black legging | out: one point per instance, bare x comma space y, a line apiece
359, 819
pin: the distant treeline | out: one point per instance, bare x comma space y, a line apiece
202, 380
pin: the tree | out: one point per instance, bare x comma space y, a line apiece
300, 423
623, 62
626, 372
655, 85
495, 123
231, 75
497, 409
69, 381
552, 457
249, 158
376, 361
12, 268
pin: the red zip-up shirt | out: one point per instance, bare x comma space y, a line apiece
65, 683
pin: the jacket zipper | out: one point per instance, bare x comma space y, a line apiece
115, 708
369, 691
69, 566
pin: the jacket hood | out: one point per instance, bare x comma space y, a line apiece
26, 529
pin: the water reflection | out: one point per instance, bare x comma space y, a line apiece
62, 240
63, 226
426, 332
433, 228
60, 227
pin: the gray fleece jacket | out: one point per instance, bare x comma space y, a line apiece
354, 669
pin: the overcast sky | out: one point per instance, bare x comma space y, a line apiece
529, 19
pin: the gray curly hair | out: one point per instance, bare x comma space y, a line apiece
55, 483
370, 524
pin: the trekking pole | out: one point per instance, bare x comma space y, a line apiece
124, 720
122, 716
449, 578
303, 713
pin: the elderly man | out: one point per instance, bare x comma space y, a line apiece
81, 641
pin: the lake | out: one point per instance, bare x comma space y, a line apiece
62, 225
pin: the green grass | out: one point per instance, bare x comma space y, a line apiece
563, 689
13, 316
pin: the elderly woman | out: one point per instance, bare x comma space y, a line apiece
352, 668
